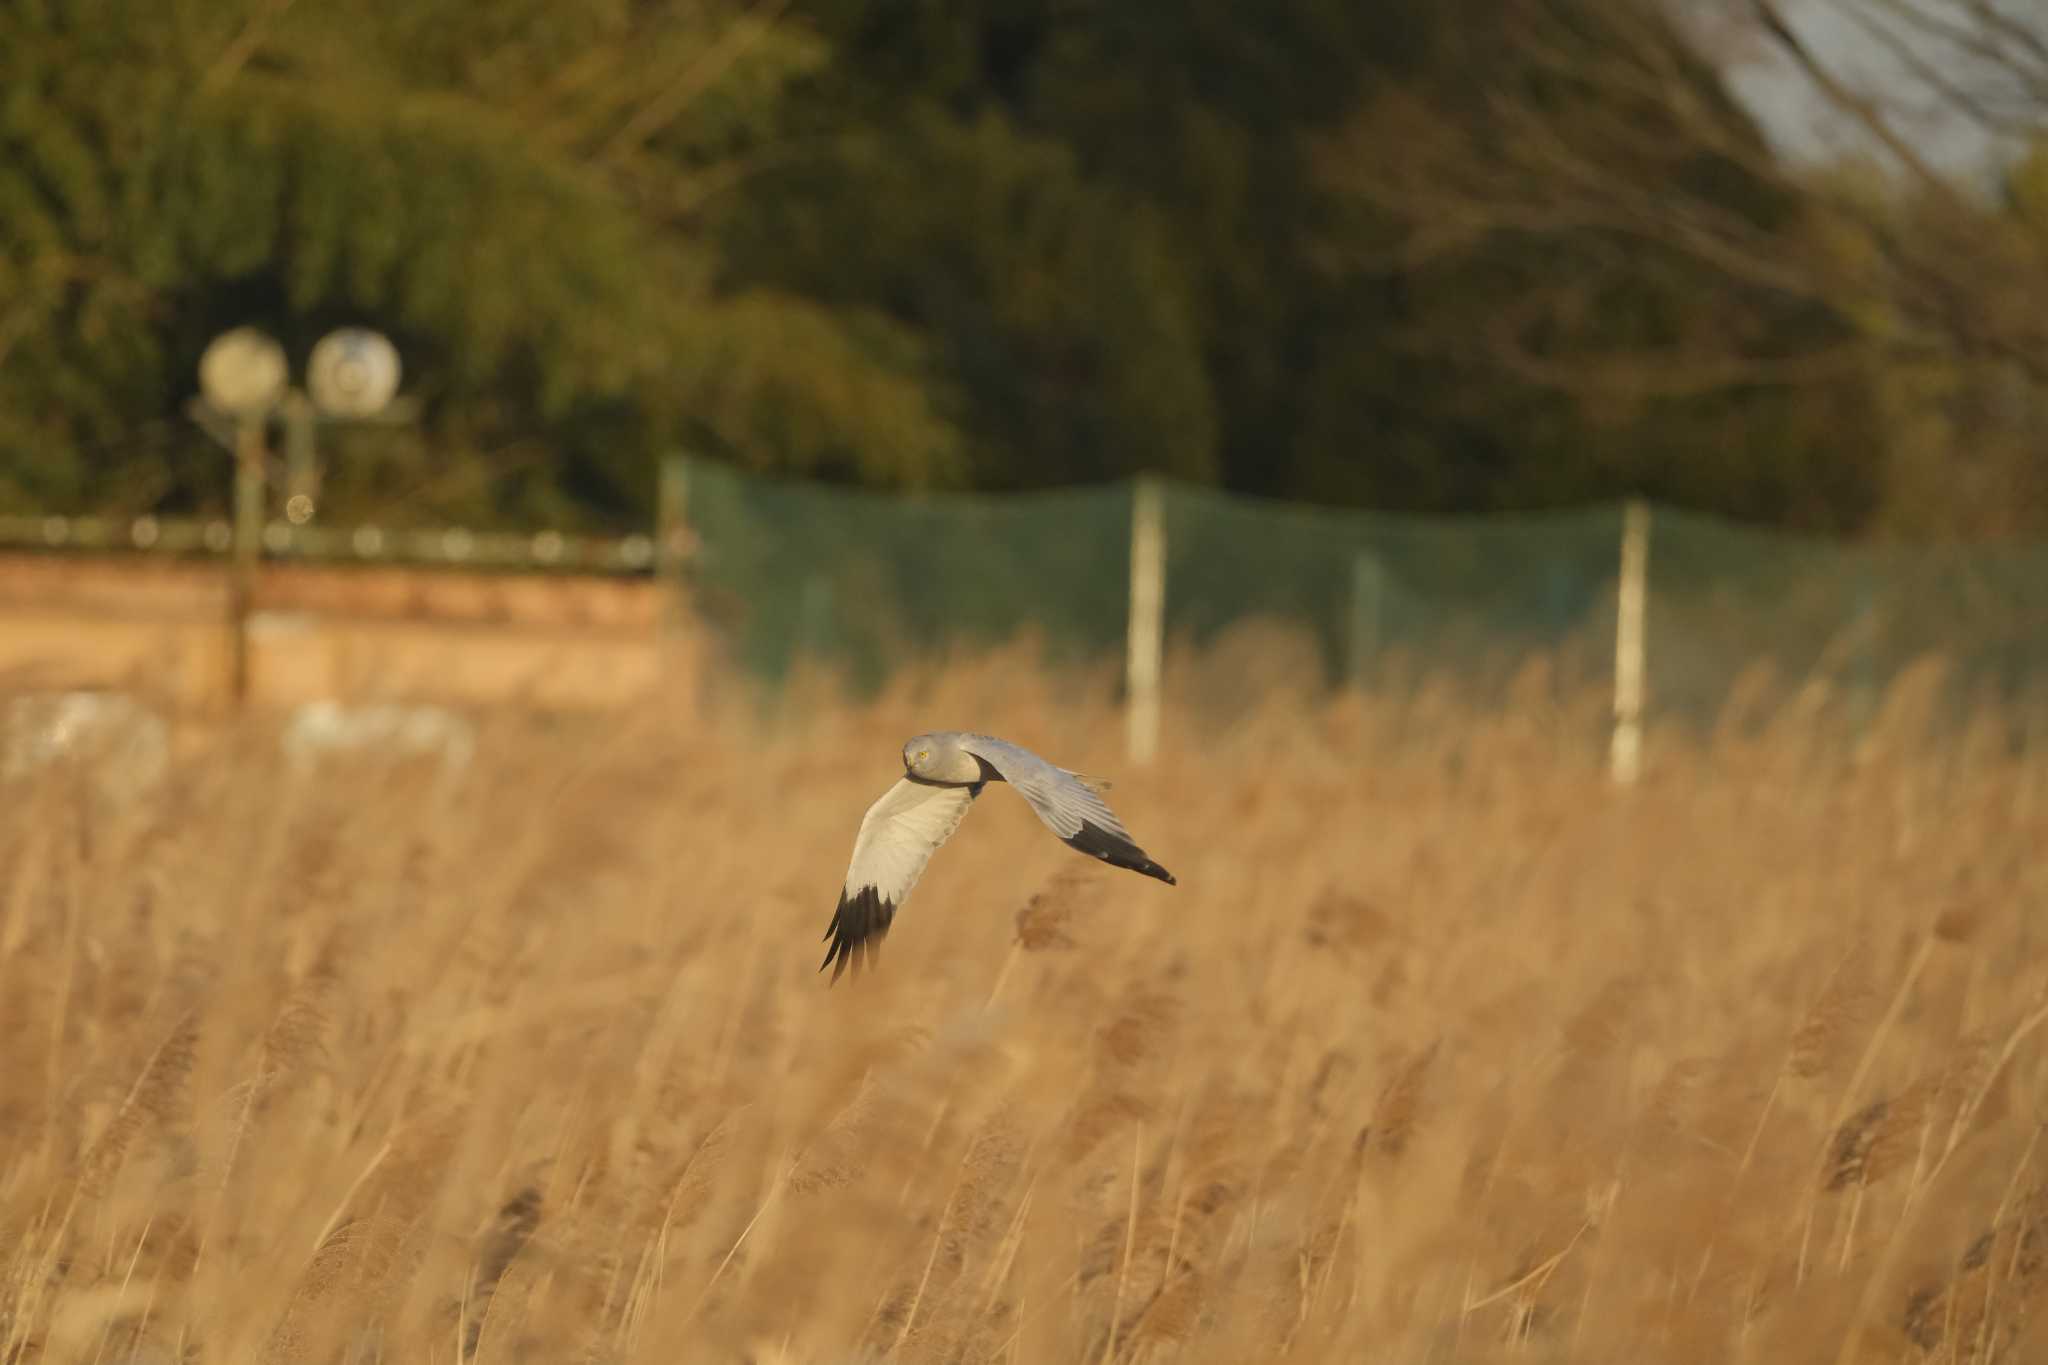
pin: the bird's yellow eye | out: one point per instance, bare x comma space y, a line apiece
923, 754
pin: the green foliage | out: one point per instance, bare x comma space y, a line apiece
1216, 143
1059, 305
992, 244
475, 188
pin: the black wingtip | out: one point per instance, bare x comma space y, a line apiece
1117, 851
857, 930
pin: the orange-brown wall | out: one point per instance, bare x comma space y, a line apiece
443, 635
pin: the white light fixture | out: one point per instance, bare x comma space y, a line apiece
353, 372
243, 373
245, 382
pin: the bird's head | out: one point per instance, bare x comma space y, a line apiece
918, 755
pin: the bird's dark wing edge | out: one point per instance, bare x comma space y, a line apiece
858, 927
1117, 851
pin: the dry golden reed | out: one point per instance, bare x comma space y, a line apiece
152, 1101
1442, 1048
514, 1226
1832, 1030
1395, 1114
1046, 922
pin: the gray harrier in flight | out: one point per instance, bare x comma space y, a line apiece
942, 774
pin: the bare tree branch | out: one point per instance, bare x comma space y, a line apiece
668, 105
1982, 45
237, 53
2011, 30
1675, 372
1614, 139
1849, 101
1932, 75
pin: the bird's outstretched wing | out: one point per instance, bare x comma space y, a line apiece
897, 838
1070, 805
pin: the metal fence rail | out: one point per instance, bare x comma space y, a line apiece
456, 547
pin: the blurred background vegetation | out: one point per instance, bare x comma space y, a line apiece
1419, 255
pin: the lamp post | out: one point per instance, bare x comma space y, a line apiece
244, 381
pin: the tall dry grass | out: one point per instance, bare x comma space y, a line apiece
1440, 1051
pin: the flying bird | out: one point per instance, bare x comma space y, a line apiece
942, 774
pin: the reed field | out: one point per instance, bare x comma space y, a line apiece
1442, 1050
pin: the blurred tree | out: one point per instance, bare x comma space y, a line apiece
1842, 318
507, 191
1966, 353
1427, 254
1208, 108
1584, 353
1098, 210
1333, 359
1059, 305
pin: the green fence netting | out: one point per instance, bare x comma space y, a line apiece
1728, 601
868, 581
1385, 598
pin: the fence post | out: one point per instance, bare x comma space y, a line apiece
301, 459
1625, 755
672, 537
1147, 621
248, 544
1367, 588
